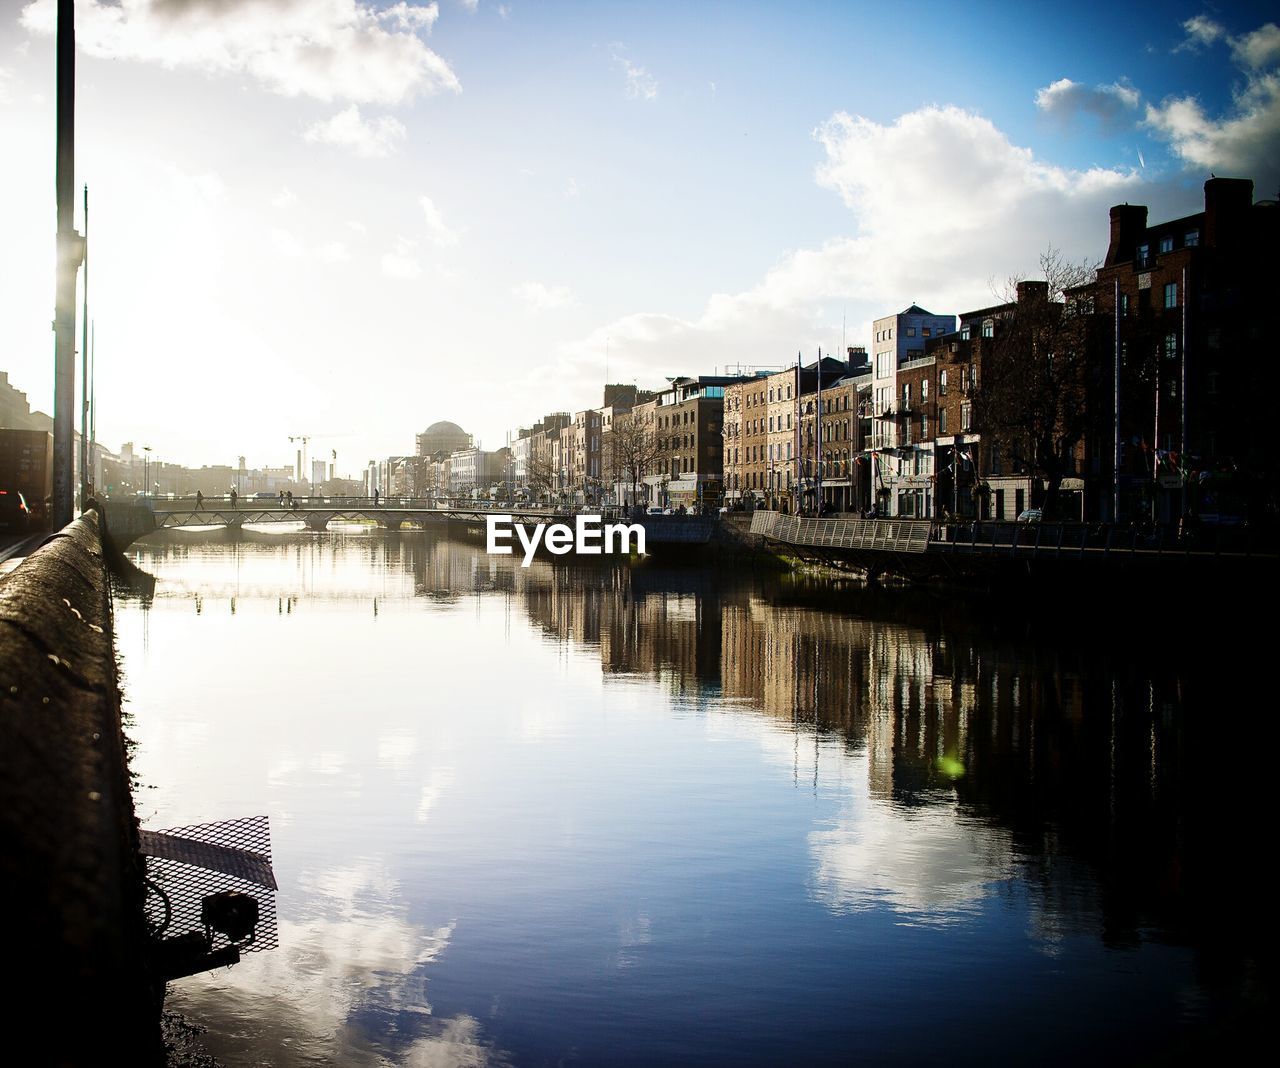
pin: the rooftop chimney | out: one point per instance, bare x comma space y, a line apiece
1226, 209
1033, 292
1128, 222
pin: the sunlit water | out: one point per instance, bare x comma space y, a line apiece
670, 816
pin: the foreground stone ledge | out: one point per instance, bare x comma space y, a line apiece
69, 866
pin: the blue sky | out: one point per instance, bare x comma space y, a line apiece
350, 219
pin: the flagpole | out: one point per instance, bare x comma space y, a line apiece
818, 471
795, 477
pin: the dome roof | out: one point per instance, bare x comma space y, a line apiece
444, 427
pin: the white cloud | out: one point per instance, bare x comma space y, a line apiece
401, 263
334, 252
286, 198
1109, 104
1258, 49
439, 231
504, 11
1201, 31
1245, 140
538, 297
286, 244
371, 138
572, 190
641, 85
941, 204
327, 49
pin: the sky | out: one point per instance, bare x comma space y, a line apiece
348, 219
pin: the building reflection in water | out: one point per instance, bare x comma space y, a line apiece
1096, 769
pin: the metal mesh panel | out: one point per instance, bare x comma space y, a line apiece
189, 863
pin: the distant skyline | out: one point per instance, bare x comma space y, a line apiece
350, 219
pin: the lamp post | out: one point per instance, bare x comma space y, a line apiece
146, 471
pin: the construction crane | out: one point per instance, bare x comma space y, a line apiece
303, 470
301, 463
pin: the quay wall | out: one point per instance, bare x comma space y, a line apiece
72, 876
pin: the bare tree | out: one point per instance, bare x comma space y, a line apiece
633, 450
1036, 369
541, 474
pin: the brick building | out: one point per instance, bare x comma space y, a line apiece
1183, 301
746, 438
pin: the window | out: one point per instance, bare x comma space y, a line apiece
1191, 238
988, 327
942, 386
1124, 305
926, 332
942, 421
1171, 346
906, 394
770, 424
924, 427
964, 333
1144, 255
788, 393
1171, 294
770, 396
911, 331
1166, 243
966, 415
924, 389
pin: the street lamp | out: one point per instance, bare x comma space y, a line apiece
146, 471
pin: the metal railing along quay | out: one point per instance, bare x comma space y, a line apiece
1014, 539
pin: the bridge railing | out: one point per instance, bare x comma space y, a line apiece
982, 536
886, 535
1089, 538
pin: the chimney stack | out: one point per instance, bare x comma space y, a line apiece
1226, 210
1128, 223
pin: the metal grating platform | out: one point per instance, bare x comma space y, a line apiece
189, 863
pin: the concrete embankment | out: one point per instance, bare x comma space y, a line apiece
70, 869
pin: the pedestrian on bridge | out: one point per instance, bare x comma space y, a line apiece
282, 498
234, 497
199, 500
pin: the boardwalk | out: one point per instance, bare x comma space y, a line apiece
921, 547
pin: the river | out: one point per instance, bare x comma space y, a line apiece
680, 815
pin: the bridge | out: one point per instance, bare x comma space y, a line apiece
923, 548
130, 520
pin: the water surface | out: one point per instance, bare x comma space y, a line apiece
669, 815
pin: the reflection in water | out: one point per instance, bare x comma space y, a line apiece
636, 815
360, 963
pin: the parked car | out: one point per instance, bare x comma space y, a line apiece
14, 513
653, 510
1031, 515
